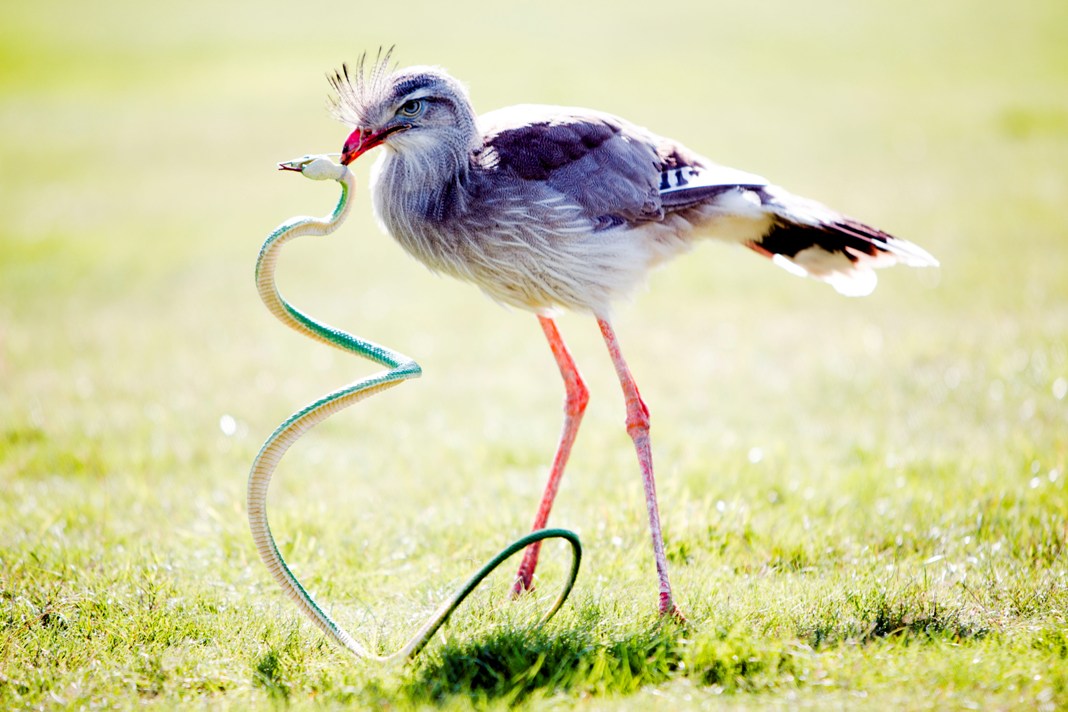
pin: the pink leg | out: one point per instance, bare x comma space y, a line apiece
638, 427
574, 406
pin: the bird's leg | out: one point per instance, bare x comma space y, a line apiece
574, 406
638, 428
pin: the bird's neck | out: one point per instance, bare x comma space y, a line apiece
416, 187
422, 207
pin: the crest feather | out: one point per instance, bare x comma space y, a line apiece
355, 90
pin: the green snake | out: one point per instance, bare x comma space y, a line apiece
400, 368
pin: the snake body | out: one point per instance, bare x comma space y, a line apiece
399, 368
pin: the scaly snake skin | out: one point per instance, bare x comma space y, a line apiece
400, 368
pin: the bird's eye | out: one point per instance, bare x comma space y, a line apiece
411, 108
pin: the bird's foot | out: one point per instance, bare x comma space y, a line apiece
669, 611
524, 582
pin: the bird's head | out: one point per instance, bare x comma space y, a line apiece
418, 111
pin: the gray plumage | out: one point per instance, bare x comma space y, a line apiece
546, 207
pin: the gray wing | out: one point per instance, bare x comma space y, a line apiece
617, 172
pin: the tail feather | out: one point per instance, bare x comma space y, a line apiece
810, 239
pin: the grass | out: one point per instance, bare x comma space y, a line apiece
864, 500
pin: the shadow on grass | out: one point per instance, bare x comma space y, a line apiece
513, 665
748, 655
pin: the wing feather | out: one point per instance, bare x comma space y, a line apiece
619, 173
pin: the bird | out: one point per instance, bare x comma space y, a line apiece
550, 208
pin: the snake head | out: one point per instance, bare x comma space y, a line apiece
316, 167
296, 164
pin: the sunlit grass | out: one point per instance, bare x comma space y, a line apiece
864, 500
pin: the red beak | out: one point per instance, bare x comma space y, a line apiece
361, 141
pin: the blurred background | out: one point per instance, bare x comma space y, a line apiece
139, 373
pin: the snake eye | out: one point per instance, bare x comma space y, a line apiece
411, 108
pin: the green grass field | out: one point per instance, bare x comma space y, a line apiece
865, 501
